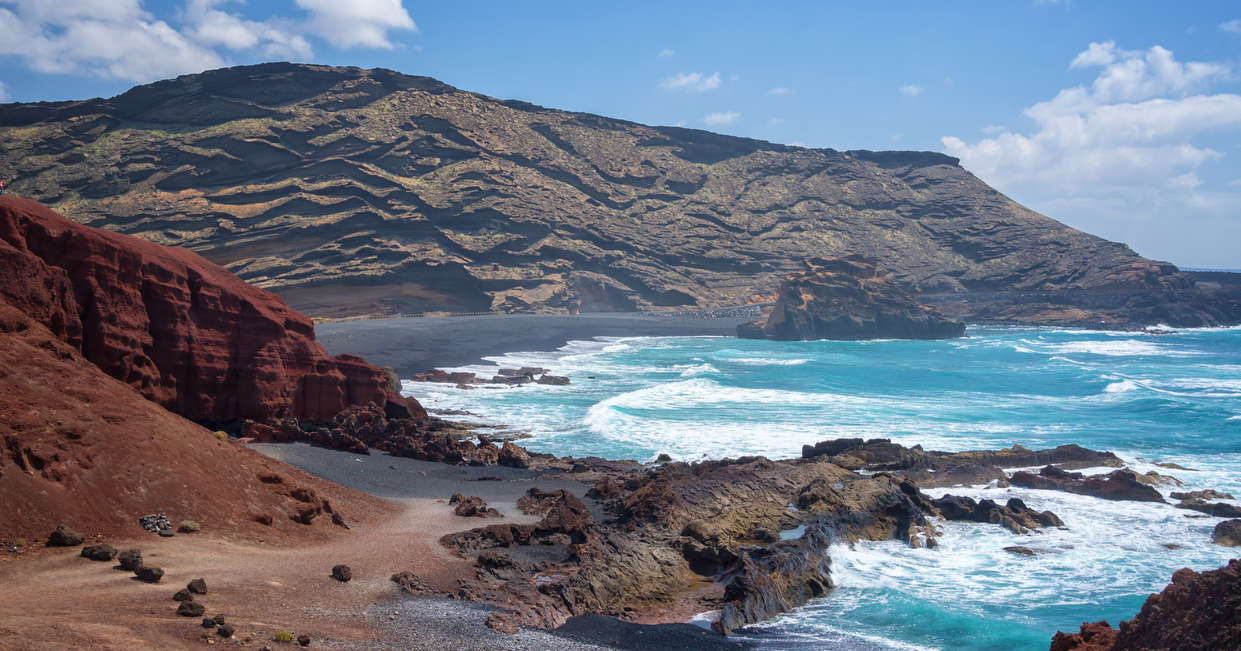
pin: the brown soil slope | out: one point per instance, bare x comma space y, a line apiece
357, 191
184, 332
85, 449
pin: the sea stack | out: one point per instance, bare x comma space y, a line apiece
847, 298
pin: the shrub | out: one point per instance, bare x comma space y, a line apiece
220, 435
189, 526
282, 636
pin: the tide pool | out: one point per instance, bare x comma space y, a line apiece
1147, 397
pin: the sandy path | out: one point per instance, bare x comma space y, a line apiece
261, 589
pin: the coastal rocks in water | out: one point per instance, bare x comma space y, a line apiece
1096, 636
848, 298
63, 536
130, 560
1020, 551
1116, 485
444, 377
1227, 533
776, 579
555, 380
99, 552
342, 573
1198, 610
1208, 494
1014, 516
471, 507
1217, 509
184, 332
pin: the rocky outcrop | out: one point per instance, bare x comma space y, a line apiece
1198, 610
1117, 485
847, 298
1227, 533
353, 191
1014, 515
185, 333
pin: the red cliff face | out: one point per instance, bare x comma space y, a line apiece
186, 333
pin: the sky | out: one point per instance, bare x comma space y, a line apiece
1122, 119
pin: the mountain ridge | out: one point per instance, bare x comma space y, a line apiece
351, 191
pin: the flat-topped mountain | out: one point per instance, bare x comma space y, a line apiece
352, 191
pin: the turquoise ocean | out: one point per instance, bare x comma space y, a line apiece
1149, 397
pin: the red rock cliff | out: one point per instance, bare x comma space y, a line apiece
184, 332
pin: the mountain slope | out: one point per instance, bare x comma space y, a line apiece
354, 191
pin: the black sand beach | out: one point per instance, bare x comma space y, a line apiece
419, 344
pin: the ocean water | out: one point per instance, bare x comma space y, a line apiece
1147, 397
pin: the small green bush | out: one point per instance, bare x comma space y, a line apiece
221, 435
282, 636
189, 526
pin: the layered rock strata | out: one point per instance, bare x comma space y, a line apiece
847, 298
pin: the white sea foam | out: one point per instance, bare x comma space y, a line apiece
1124, 386
767, 361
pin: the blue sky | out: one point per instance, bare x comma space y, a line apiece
1122, 119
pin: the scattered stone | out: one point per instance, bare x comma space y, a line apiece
339, 521
263, 519
63, 536
1227, 533
226, 630
1023, 551
342, 573
150, 574
191, 609
303, 639
183, 595
209, 622
130, 560
189, 526
197, 586
472, 507
99, 552
409, 582
155, 523
166, 533
219, 619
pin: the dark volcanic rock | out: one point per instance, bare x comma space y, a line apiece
433, 198
1198, 610
149, 574
197, 586
63, 536
472, 507
1116, 485
1014, 516
514, 456
99, 552
342, 573
191, 609
1227, 533
1217, 509
182, 595
130, 560
848, 298
410, 582
226, 630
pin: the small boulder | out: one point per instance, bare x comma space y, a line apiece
191, 609
99, 552
150, 574
197, 586
63, 536
1227, 533
183, 595
130, 560
226, 630
303, 639
1023, 551
209, 622
556, 380
342, 573
410, 582
263, 519
514, 456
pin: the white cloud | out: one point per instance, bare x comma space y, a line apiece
213, 27
780, 90
357, 23
1121, 153
667, 52
695, 82
992, 129
720, 119
1233, 26
122, 39
910, 90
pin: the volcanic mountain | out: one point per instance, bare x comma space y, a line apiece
351, 191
